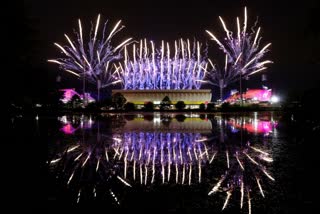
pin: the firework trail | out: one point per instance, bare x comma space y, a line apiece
149, 68
244, 55
92, 59
222, 76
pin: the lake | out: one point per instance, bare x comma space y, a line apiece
231, 163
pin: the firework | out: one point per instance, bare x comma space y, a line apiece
243, 52
151, 68
222, 77
91, 59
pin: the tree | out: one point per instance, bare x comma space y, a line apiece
75, 102
54, 99
180, 105
180, 117
118, 101
203, 116
148, 106
106, 102
129, 106
93, 106
129, 117
225, 106
165, 103
166, 120
148, 117
202, 106
210, 106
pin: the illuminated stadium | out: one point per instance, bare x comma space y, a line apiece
152, 74
252, 96
192, 98
68, 94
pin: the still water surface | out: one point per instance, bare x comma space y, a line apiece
220, 162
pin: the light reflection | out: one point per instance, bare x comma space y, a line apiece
68, 129
121, 157
256, 125
184, 152
246, 163
70, 124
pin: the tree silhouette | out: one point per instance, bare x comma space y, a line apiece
165, 103
148, 106
118, 101
180, 105
129, 106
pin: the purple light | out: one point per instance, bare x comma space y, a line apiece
177, 148
68, 129
253, 126
68, 94
91, 58
243, 54
180, 68
257, 95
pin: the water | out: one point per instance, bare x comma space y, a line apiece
229, 163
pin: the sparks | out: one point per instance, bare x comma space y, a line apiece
90, 60
85, 161
212, 157
243, 54
267, 174
266, 158
242, 194
227, 199
227, 154
78, 197
97, 167
55, 160
249, 203
240, 164
259, 185
156, 69
216, 187
251, 159
123, 181
72, 148
70, 178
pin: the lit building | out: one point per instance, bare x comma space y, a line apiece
68, 93
192, 98
152, 73
251, 96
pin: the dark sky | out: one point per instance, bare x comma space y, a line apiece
291, 27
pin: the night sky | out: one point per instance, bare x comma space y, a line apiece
291, 27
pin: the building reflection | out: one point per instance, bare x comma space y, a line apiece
72, 123
263, 125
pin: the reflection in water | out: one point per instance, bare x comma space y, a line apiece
71, 124
253, 124
164, 149
246, 163
173, 153
84, 167
245, 166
